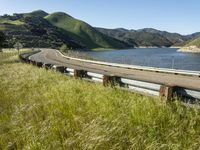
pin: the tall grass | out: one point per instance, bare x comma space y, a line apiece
41, 109
10, 55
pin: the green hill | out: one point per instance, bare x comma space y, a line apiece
195, 42
83, 32
36, 32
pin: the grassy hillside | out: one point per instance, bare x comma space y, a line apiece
195, 42
7, 21
46, 110
86, 34
55, 29
35, 32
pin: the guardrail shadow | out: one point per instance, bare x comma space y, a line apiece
187, 95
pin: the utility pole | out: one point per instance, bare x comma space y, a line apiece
173, 62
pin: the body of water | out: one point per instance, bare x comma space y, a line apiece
154, 57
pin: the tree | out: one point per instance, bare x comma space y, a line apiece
2, 40
64, 48
18, 46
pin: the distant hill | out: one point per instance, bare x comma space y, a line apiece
175, 38
137, 38
38, 28
195, 43
194, 35
149, 37
83, 32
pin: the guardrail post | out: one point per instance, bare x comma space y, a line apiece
166, 92
46, 66
79, 73
60, 69
27, 60
32, 62
109, 80
39, 64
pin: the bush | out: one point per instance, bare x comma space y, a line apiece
2, 40
64, 48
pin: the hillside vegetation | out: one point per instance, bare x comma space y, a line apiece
43, 109
59, 28
195, 42
85, 33
39, 29
147, 37
174, 38
37, 32
7, 21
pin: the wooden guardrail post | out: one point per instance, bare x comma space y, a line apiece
166, 92
27, 60
60, 69
79, 73
109, 80
39, 64
33, 62
46, 66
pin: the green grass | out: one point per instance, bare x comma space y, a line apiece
13, 50
102, 49
2, 28
8, 55
195, 42
16, 22
42, 109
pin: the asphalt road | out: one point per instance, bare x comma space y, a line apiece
54, 57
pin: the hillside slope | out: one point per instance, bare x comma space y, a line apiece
192, 46
136, 38
37, 32
85, 33
195, 42
175, 38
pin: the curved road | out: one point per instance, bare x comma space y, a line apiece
54, 57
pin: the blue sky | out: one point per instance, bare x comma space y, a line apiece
182, 16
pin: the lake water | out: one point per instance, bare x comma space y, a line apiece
154, 57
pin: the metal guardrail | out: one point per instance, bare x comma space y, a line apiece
135, 85
141, 86
153, 69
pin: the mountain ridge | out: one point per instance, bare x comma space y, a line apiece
60, 28
84, 32
139, 37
